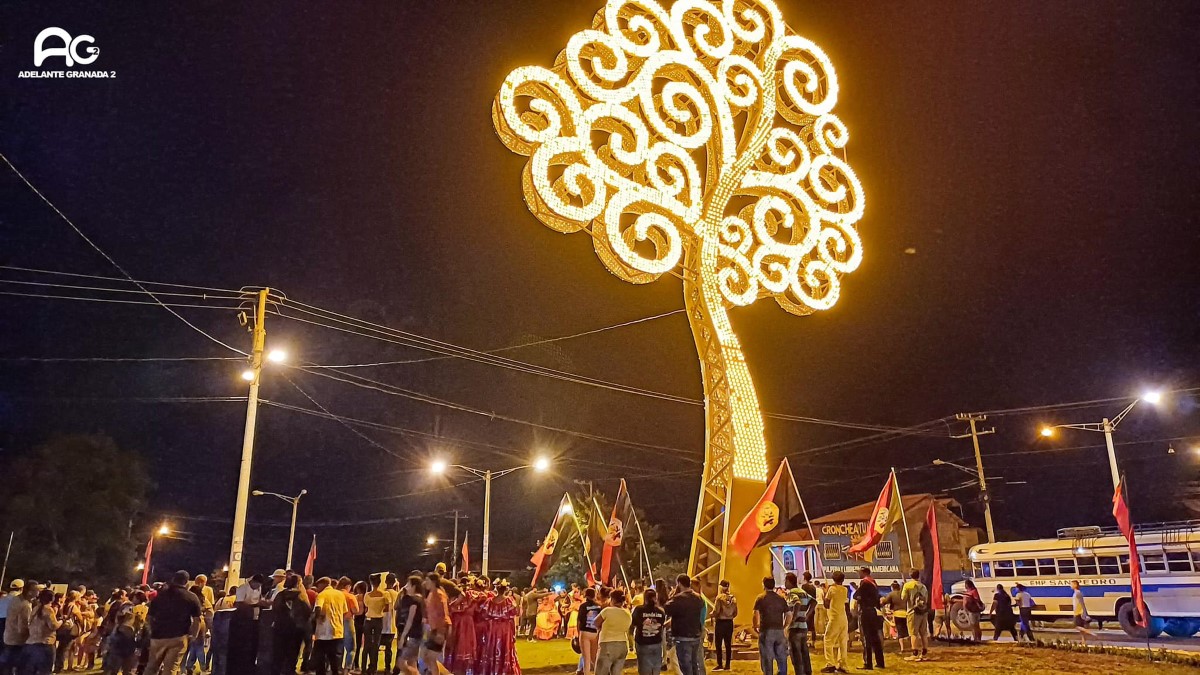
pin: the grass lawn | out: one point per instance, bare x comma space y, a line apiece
556, 656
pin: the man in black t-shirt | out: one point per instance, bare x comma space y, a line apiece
870, 623
174, 616
686, 611
771, 614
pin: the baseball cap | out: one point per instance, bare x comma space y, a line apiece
279, 573
17, 584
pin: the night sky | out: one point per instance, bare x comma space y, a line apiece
1030, 238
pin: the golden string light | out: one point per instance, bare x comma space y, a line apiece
700, 138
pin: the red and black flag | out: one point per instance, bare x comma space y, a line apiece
931, 551
312, 558
777, 512
621, 519
544, 557
1125, 522
466, 555
593, 544
889, 510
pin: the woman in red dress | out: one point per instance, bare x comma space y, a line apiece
499, 655
461, 645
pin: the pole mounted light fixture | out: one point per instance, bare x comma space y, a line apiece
1107, 426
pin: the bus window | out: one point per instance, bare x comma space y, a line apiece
1066, 567
976, 570
1179, 561
1124, 563
1004, 568
1026, 568
987, 569
1196, 559
1046, 567
1109, 565
1153, 562
1087, 566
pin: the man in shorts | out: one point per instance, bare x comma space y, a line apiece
916, 596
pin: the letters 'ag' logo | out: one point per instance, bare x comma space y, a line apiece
69, 49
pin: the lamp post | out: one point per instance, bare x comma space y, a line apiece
983, 493
1107, 427
295, 502
440, 467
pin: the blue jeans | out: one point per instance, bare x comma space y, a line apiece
690, 652
195, 655
772, 649
348, 643
37, 659
649, 658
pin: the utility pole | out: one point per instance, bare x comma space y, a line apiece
259, 333
487, 519
454, 548
983, 491
7, 551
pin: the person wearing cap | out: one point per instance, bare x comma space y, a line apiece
14, 591
277, 578
174, 617
18, 608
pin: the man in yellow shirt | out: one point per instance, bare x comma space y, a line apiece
330, 610
837, 633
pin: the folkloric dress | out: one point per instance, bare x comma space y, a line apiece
462, 645
548, 619
499, 655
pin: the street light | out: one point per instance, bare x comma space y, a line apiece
162, 531
1107, 427
277, 356
431, 540
439, 467
295, 502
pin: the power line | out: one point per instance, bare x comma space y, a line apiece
77, 275
44, 284
159, 303
109, 258
350, 428
107, 359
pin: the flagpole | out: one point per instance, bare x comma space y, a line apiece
603, 524
642, 540
579, 528
904, 517
811, 532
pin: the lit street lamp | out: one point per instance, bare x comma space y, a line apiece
144, 566
295, 502
1107, 427
440, 467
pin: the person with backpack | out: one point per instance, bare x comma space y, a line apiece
725, 610
915, 597
292, 615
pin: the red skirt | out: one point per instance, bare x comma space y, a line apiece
461, 646
499, 656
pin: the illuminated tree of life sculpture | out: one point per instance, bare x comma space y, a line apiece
699, 141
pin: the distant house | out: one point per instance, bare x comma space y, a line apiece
824, 551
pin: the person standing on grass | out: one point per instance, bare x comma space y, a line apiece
725, 610
1025, 609
330, 611
800, 607
410, 612
837, 626
589, 636
174, 616
870, 623
771, 615
1079, 610
613, 624
649, 622
915, 597
686, 611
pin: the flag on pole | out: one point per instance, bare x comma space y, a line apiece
466, 558
622, 517
1125, 522
777, 512
931, 551
889, 509
312, 557
146, 564
597, 533
544, 556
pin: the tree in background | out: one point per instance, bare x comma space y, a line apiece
71, 503
569, 565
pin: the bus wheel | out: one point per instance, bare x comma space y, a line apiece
1127, 617
960, 616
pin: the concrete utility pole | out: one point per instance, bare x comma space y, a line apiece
254, 374
983, 491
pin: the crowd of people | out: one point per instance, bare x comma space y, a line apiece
430, 624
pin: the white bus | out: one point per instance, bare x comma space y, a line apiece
1099, 559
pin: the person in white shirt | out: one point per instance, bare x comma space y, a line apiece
1025, 609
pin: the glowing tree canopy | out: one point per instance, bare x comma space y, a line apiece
697, 140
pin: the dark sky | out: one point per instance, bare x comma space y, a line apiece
1038, 158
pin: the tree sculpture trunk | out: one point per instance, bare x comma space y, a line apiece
735, 467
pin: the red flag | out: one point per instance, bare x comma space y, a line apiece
622, 516
146, 564
544, 556
777, 512
1125, 522
466, 558
889, 509
593, 544
931, 551
312, 557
